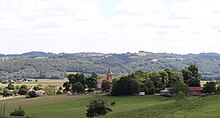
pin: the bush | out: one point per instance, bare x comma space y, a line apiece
125, 86
18, 112
97, 107
106, 86
23, 90
6, 93
78, 87
31, 94
180, 95
210, 87
59, 92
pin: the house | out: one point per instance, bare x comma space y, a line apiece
40, 92
195, 91
108, 78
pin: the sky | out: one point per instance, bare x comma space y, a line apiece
109, 26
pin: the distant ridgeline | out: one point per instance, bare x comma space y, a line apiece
55, 66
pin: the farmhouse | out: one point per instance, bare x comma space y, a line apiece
108, 78
40, 92
195, 91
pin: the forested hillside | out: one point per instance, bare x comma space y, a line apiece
49, 65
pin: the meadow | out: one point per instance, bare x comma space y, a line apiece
149, 106
44, 82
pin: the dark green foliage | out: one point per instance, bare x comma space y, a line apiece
92, 80
78, 77
31, 94
23, 90
126, 86
191, 75
18, 112
157, 80
148, 87
66, 86
96, 108
210, 87
218, 88
10, 86
106, 85
6, 93
56, 65
78, 87
179, 86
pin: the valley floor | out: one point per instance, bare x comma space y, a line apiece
148, 106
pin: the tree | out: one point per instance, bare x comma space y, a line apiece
18, 112
96, 108
164, 76
66, 86
179, 86
156, 78
6, 93
23, 90
78, 77
191, 75
31, 94
126, 86
106, 85
149, 87
92, 80
173, 76
218, 88
210, 87
78, 87
10, 86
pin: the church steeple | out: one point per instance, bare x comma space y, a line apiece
109, 75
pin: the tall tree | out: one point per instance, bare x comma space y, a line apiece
78, 77
191, 75
92, 80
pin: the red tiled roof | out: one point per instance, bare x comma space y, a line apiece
101, 80
195, 88
40, 91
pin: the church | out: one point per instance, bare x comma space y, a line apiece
108, 78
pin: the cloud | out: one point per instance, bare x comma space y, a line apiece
189, 26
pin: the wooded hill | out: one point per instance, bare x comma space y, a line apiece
50, 65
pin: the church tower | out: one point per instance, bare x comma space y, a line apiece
109, 75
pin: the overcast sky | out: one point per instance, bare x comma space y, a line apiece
110, 26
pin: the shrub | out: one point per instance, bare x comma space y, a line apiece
106, 86
31, 94
59, 92
18, 112
6, 93
78, 87
97, 107
23, 90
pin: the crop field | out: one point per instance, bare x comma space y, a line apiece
44, 82
149, 106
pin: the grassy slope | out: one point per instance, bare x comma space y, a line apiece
125, 107
75, 106
196, 107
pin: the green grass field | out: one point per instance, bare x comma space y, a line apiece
63, 106
44, 82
